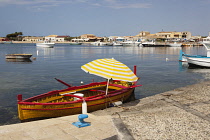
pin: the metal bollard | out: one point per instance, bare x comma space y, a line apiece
81, 122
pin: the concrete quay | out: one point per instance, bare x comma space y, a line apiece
61, 129
180, 114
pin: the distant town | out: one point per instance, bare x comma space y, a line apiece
143, 35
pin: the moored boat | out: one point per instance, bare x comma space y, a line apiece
109, 44
18, 56
198, 60
206, 40
131, 43
75, 43
7, 42
175, 44
98, 43
154, 44
70, 101
206, 43
46, 44
120, 85
117, 44
195, 60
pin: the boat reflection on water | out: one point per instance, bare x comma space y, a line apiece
183, 66
204, 71
19, 61
47, 52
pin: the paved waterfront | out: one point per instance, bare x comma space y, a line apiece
60, 129
183, 113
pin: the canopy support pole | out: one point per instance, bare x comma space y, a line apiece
107, 87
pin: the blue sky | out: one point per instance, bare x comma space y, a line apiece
103, 17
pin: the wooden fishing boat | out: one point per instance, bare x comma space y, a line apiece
71, 100
18, 56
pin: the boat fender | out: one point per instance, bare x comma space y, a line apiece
81, 122
84, 107
118, 103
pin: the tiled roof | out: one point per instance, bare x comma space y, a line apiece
52, 36
62, 36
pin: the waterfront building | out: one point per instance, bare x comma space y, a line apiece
3, 39
143, 34
91, 37
51, 38
33, 38
165, 35
61, 38
171, 35
87, 36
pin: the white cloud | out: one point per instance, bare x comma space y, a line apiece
34, 2
37, 5
119, 4
137, 5
116, 4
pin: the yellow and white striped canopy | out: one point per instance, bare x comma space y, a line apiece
110, 69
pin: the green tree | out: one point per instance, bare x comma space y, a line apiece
14, 36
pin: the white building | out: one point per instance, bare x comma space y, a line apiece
51, 38
33, 38
61, 38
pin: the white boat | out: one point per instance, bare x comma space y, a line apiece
98, 43
7, 42
206, 42
117, 44
148, 43
175, 44
109, 44
198, 60
46, 44
154, 44
131, 43
75, 43
195, 60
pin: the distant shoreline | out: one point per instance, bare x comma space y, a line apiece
36, 42
186, 44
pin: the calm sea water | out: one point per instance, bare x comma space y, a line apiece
64, 61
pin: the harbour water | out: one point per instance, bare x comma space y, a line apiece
159, 70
